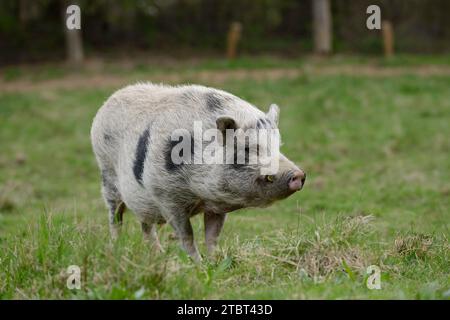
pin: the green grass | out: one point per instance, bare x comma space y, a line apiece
376, 151
143, 65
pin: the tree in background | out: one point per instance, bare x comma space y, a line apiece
32, 30
74, 42
322, 32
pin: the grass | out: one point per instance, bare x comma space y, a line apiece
376, 151
142, 65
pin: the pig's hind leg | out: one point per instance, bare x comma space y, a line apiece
116, 206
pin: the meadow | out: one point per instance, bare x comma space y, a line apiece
375, 147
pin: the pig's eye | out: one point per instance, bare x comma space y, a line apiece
268, 178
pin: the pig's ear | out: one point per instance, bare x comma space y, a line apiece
224, 123
273, 113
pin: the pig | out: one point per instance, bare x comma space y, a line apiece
132, 139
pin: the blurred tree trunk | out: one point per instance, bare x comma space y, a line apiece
23, 13
322, 26
74, 41
28, 10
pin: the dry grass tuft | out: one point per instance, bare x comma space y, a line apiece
415, 245
335, 247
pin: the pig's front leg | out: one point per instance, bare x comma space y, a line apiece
213, 226
150, 235
183, 229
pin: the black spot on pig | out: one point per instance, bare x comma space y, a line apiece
108, 138
213, 102
264, 124
170, 165
238, 164
141, 154
187, 159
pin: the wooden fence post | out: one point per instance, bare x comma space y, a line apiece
234, 35
388, 38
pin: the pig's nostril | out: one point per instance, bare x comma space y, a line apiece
297, 180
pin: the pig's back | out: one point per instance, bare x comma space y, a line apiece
130, 110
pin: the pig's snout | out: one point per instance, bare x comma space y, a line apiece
297, 180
